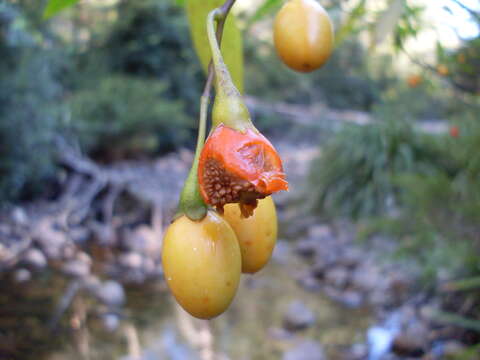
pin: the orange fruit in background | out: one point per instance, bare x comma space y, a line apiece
442, 69
202, 264
454, 131
414, 80
303, 35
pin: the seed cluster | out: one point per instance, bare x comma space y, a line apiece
223, 187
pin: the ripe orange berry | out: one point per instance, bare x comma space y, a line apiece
454, 131
256, 235
414, 80
239, 167
202, 264
303, 35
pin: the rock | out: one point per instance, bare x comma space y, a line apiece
50, 238
337, 276
79, 235
281, 252
298, 316
131, 260
406, 344
110, 321
35, 258
19, 216
277, 333
306, 350
143, 240
358, 352
110, 293
366, 277
309, 283
78, 267
306, 248
350, 257
22, 275
320, 232
350, 298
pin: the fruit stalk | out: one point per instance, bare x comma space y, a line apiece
229, 107
191, 203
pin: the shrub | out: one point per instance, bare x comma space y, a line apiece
128, 114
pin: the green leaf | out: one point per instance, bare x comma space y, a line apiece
54, 6
232, 51
267, 7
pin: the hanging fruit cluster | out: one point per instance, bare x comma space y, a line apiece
226, 223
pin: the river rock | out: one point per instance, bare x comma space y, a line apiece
306, 350
78, 267
337, 276
131, 260
110, 293
320, 232
366, 277
306, 248
22, 275
35, 258
406, 344
298, 316
309, 283
19, 216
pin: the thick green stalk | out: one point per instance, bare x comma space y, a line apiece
229, 107
191, 202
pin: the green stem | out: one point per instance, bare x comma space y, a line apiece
191, 203
229, 107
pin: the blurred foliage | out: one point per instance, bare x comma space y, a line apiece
345, 82
353, 176
29, 105
231, 46
135, 120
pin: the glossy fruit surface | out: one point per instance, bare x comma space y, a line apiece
303, 35
256, 234
202, 264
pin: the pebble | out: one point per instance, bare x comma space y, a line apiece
406, 344
110, 321
298, 316
131, 260
35, 258
76, 268
110, 293
337, 276
22, 275
19, 216
306, 350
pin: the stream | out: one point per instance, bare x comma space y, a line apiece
152, 326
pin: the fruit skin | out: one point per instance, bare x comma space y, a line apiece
202, 264
256, 235
239, 167
303, 35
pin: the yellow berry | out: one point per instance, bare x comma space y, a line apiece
256, 234
303, 35
202, 264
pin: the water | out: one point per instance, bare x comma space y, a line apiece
152, 326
